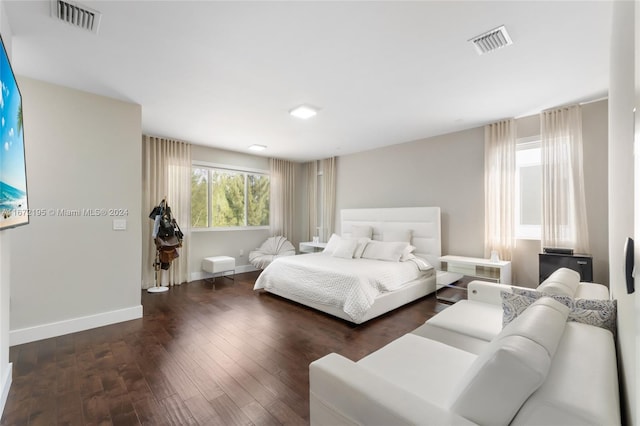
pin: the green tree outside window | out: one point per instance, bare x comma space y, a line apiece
228, 198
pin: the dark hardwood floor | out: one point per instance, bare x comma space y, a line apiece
204, 353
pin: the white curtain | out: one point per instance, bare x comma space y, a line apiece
564, 213
328, 197
312, 200
499, 187
282, 200
166, 174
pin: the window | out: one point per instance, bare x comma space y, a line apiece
228, 198
528, 211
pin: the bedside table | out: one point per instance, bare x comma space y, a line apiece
450, 286
483, 269
311, 247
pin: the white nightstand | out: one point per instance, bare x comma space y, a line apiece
484, 269
311, 247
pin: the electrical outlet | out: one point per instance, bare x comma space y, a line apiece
241, 252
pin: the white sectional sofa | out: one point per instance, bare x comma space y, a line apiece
463, 367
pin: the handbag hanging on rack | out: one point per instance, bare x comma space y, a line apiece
167, 237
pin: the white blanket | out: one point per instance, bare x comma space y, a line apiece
348, 284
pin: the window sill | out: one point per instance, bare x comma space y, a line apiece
231, 228
528, 238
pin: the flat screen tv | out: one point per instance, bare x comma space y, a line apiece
14, 209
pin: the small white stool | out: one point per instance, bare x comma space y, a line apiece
219, 264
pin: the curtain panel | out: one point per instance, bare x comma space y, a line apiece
328, 197
282, 200
499, 186
166, 174
564, 213
312, 200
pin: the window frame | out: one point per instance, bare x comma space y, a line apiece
234, 169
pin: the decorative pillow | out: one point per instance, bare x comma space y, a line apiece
362, 243
381, 250
423, 264
406, 253
332, 244
345, 248
397, 236
361, 231
600, 313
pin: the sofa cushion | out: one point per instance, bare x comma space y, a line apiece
563, 281
425, 367
513, 366
452, 338
592, 291
582, 385
598, 312
472, 318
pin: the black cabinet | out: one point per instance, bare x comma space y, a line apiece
582, 263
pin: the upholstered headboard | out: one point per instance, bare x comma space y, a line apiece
423, 222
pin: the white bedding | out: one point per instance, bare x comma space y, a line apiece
348, 284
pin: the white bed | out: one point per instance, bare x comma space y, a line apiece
384, 285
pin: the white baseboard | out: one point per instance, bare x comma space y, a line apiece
5, 385
201, 275
54, 329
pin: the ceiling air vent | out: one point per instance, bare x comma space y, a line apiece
76, 14
491, 40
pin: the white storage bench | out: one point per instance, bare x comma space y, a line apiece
219, 265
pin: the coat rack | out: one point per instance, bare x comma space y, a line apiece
167, 237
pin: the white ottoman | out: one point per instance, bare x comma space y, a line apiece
218, 264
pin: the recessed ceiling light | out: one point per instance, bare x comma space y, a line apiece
257, 147
304, 112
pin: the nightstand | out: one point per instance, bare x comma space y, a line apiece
483, 269
311, 247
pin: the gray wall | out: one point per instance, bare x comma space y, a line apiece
448, 171
444, 171
5, 249
224, 243
594, 138
83, 152
621, 199
230, 243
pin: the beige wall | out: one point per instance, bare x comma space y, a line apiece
83, 152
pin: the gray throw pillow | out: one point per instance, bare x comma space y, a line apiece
599, 313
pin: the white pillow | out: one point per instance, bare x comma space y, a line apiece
332, 243
345, 248
422, 264
406, 252
397, 236
362, 243
361, 231
384, 250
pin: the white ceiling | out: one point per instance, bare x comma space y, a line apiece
225, 74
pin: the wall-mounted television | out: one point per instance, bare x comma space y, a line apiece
14, 210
